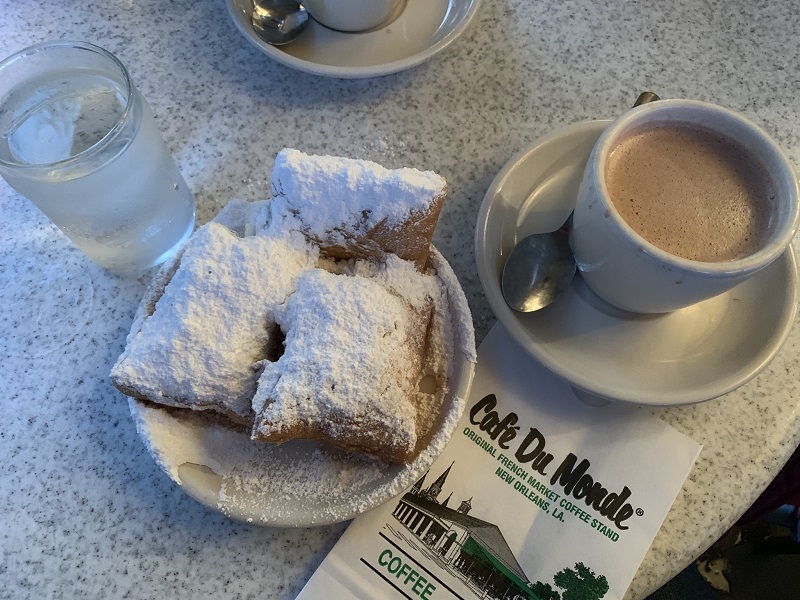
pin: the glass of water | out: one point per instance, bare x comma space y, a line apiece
80, 142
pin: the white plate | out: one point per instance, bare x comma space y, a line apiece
424, 28
687, 356
298, 483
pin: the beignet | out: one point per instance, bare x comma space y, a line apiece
212, 322
351, 368
314, 315
357, 208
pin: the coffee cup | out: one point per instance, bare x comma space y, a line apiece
353, 15
680, 201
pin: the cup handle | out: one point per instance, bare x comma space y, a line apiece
646, 97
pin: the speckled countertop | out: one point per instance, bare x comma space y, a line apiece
86, 512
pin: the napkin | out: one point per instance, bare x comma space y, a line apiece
537, 495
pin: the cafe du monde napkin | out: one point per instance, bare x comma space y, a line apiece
537, 495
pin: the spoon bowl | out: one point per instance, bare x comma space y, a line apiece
538, 270
278, 22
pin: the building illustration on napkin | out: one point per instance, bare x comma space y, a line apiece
475, 551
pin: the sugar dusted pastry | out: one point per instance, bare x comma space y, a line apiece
351, 367
213, 322
316, 315
356, 208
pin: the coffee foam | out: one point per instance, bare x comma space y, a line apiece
691, 192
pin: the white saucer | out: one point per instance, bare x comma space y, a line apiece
424, 28
687, 356
299, 483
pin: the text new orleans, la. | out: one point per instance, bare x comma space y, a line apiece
571, 475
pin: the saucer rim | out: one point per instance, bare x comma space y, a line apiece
241, 19
602, 390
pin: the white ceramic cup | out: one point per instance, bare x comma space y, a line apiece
631, 273
352, 15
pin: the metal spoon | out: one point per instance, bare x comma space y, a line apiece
541, 266
278, 22
539, 269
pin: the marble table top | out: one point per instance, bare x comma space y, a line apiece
86, 512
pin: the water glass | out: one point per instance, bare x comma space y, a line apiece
80, 142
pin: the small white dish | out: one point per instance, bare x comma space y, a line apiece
298, 484
422, 29
687, 356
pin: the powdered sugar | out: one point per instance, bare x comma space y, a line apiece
357, 195
355, 341
243, 217
199, 345
349, 364
302, 483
